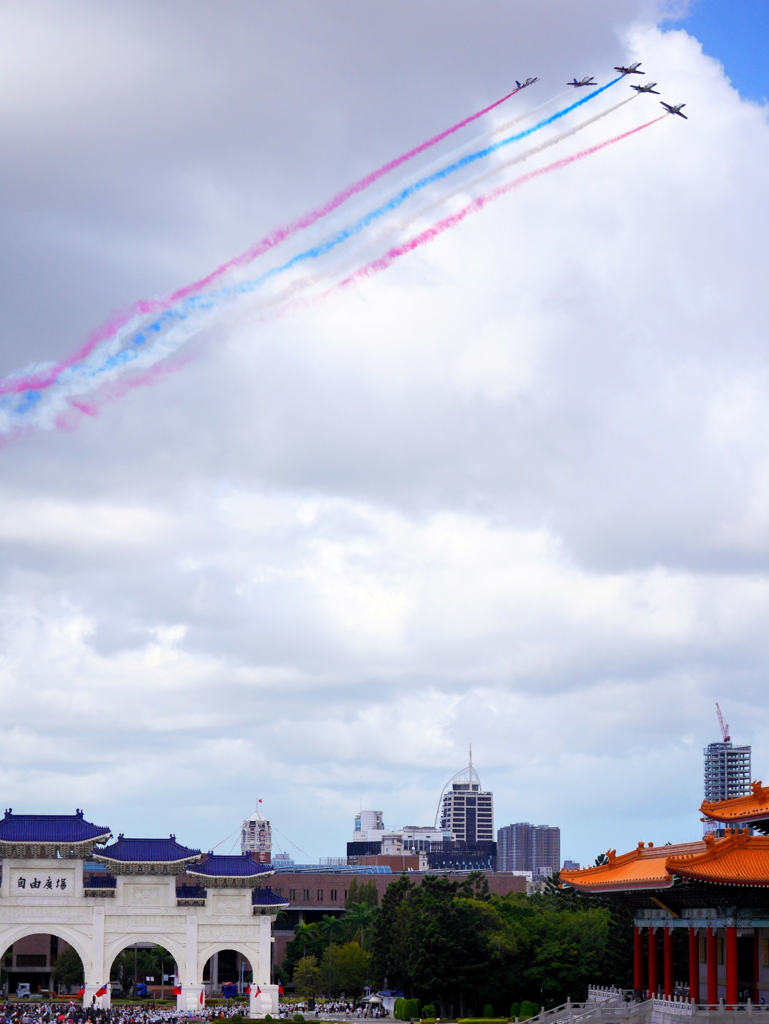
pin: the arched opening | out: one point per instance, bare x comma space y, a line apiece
144, 970
226, 974
40, 964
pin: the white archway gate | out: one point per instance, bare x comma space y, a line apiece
47, 894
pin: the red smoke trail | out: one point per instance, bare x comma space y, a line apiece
45, 378
477, 204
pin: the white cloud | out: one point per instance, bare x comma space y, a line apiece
513, 492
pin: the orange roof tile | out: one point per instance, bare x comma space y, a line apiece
737, 859
740, 808
642, 868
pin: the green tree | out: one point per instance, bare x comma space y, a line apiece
345, 969
308, 940
358, 919
308, 977
365, 893
332, 925
388, 953
68, 969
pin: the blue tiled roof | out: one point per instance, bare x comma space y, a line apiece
100, 883
230, 867
267, 898
147, 851
49, 828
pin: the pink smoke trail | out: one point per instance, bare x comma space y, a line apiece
430, 234
45, 378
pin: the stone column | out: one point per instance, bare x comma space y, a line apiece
99, 975
732, 993
694, 966
190, 983
268, 999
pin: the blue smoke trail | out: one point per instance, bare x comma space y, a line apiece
200, 303
197, 303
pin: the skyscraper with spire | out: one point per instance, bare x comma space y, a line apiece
465, 810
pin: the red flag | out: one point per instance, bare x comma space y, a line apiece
101, 991
81, 991
258, 991
201, 997
280, 988
177, 990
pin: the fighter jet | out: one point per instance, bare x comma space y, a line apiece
646, 88
582, 81
529, 81
673, 108
632, 69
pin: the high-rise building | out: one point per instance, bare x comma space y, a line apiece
256, 838
527, 847
727, 774
466, 811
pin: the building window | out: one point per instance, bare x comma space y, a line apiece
306, 895
319, 893
30, 960
333, 895
345, 894
292, 894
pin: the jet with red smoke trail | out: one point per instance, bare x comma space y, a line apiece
529, 81
674, 108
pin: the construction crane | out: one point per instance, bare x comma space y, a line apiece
722, 723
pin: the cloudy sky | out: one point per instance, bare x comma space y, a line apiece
514, 492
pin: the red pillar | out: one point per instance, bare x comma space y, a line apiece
694, 966
638, 959
731, 965
712, 967
653, 963
667, 962
756, 965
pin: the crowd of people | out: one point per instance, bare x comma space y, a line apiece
337, 1007
76, 1013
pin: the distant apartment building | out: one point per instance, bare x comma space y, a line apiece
571, 865
526, 847
727, 774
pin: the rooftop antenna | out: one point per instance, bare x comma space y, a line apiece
470, 766
722, 723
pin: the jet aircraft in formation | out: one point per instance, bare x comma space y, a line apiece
631, 69
649, 87
673, 108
